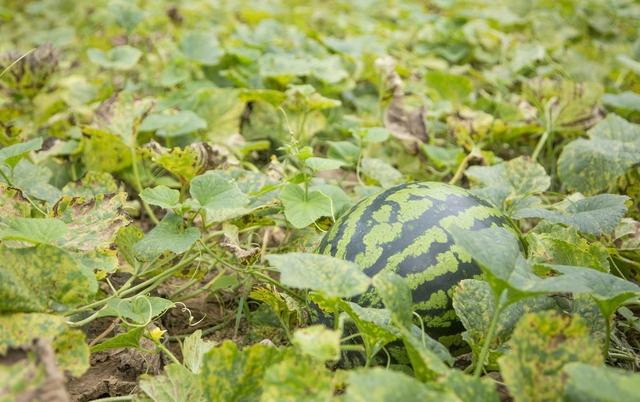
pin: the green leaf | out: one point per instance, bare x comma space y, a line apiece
380, 385
194, 349
12, 154
449, 87
139, 309
219, 196
512, 180
426, 354
177, 384
323, 164
608, 290
596, 215
331, 276
468, 388
27, 282
302, 210
118, 58
344, 150
381, 171
396, 296
129, 339
626, 101
495, 249
34, 181
173, 125
231, 375
541, 345
202, 47
104, 151
20, 330
566, 247
34, 230
339, 199
600, 384
593, 165
475, 305
72, 352
318, 342
168, 235
92, 223
297, 379
372, 135
161, 196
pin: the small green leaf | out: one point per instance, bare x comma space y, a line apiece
496, 249
202, 47
380, 385
600, 384
12, 154
168, 235
176, 384
372, 135
449, 87
318, 342
381, 171
596, 215
626, 101
331, 276
129, 339
118, 58
396, 296
34, 230
161, 196
541, 345
194, 349
469, 388
344, 150
297, 379
475, 306
219, 196
34, 181
231, 375
323, 164
512, 180
140, 309
173, 125
302, 210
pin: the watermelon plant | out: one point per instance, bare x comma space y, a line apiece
330, 201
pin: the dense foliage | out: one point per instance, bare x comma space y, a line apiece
168, 170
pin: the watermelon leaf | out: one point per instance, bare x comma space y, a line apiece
176, 384
297, 378
168, 235
162, 196
318, 342
601, 384
595, 215
380, 385
541, 345
331, 276
302, 209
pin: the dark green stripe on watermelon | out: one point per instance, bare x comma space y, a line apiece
404, 230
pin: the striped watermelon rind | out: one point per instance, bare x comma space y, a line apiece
404, 230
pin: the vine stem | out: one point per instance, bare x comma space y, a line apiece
138, 184
462, 167
487, 342
547, 131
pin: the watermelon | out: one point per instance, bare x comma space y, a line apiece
405, 230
